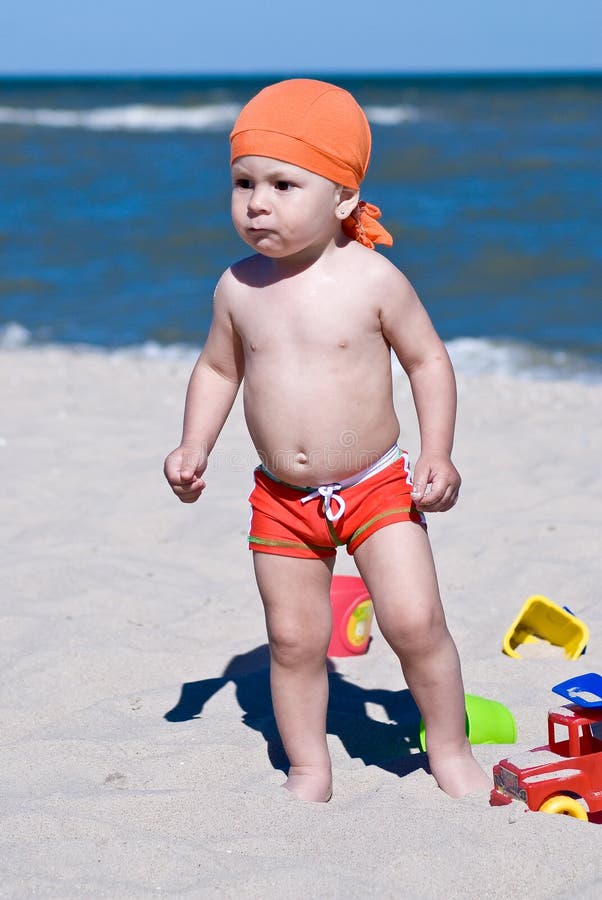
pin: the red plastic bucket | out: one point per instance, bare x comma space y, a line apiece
352, 614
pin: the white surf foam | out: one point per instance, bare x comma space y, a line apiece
134, 117
475, 356
13, 336
146, 117
470, 356
392, 115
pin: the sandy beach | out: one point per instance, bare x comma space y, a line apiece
140, 756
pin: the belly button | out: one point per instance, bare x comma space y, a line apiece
253, 347
302, 459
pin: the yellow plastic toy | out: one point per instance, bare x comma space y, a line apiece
542, 620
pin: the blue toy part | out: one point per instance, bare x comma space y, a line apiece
582, 690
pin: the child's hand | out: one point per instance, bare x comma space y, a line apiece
438, 472
183, 469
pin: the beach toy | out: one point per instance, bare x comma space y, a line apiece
541, 619
583, 690
352, 613
565, 775
487, 722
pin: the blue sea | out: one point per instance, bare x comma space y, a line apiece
114, 212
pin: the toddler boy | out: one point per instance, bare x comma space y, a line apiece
309, 321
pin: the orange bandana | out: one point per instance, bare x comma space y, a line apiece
319, 127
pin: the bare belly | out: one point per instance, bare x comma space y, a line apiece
311, 437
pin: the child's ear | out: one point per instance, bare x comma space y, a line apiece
347, 200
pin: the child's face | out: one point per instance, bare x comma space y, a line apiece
281, 210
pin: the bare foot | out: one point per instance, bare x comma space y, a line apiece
459, 775
309, 783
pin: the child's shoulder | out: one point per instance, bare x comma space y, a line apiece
371, 267
243, 273
251, 271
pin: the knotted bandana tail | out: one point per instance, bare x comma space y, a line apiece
362, 226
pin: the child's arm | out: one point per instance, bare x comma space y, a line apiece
212, 390
421, 352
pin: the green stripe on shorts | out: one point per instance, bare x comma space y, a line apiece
265, 542
383, 515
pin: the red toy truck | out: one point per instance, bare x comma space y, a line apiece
563, 777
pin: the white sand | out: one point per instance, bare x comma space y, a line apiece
114, 596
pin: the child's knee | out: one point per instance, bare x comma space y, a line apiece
294, 646
418, 631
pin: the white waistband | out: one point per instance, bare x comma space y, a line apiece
331, 491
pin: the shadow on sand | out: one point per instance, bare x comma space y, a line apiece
390, 745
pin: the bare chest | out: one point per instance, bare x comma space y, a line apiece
310, 325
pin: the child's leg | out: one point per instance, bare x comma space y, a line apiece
397, 565
296, 599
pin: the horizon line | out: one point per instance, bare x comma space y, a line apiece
246, 75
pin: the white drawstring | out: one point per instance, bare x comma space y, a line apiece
328, 492
331, 491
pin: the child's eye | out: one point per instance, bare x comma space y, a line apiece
283, 185
243, 183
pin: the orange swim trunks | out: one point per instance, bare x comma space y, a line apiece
310, 523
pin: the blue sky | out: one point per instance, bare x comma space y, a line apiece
205, 36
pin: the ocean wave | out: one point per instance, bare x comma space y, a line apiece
477, 356
470, 356
15, 337
393, 115
134, 117
146, 117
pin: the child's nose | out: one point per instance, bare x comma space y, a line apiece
258, 201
